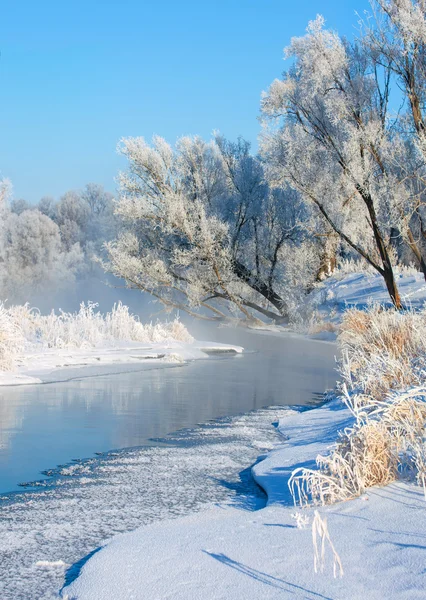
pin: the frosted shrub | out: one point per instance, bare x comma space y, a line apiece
169, 330
383, 370
383, 349
87, 328
386, 441
11, 339
348, 266
302, 520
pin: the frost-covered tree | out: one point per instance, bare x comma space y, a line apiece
202, 230
71, 214
85, 217
327, 134
5, 192
47, 206
100, 225
396, 36
46, 246
97, 199
32, 256
18, 205
268, 225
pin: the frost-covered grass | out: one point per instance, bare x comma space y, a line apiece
350, 265
23, 328
383, 349
11, 339
383, 369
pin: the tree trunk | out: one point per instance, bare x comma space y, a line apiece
419, 125
329, 256
422, 265
259, 286
416, 109
392, 288
386, 270
417, 253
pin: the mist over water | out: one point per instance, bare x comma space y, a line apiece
101, 288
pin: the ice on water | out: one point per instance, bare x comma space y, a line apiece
44, 532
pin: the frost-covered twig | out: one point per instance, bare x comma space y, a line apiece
320, 535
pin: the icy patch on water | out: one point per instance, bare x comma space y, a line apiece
45, 531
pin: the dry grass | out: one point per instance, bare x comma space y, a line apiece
383, 349
321, 538
383, 369
362, 457
322, 326
386, 442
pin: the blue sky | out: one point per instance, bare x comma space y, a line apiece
77, 76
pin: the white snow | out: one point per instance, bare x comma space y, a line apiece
358, 289
50, 563
48, 365
226, 553
321, 312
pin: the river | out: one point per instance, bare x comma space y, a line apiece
183, 437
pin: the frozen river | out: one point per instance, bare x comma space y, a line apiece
51, 525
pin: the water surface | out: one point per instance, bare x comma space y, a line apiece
43, 426
46, 530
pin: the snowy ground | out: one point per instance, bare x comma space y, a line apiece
323, 308
357, 289
44, 366
227, 553
342, 291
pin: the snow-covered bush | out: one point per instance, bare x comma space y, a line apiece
90, 328
347, 266
11, 339
87, 328
383, 349
385, 442
383, 367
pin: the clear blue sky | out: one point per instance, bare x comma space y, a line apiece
76, 76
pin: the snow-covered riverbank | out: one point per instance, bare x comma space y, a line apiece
320, 314
48, 365
36, 348
225, 553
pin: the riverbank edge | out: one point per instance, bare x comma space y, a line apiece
228, 553
54, 366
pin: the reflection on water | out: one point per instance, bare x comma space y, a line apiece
42, 426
